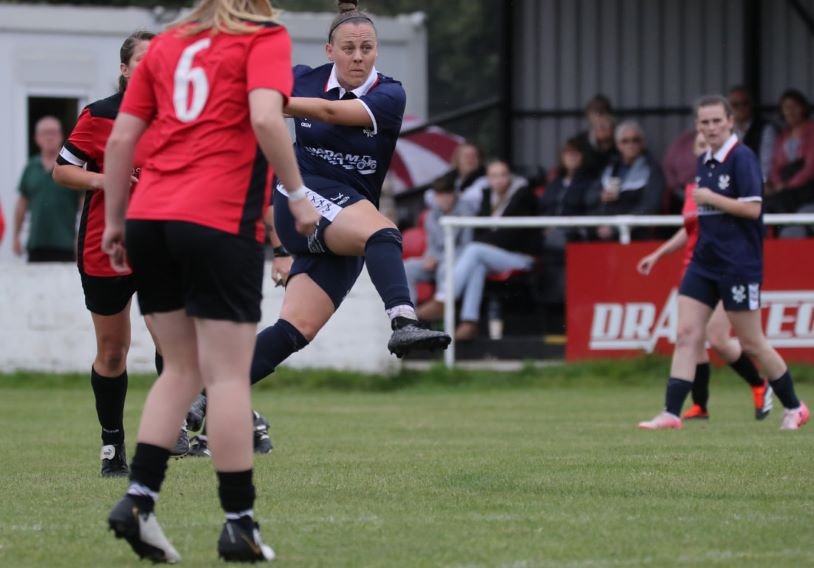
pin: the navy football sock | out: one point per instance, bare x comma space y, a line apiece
147, 473
700, 385
110, 393
236, 491
747, 370
386, 269
273, 346
783, 387
677, 391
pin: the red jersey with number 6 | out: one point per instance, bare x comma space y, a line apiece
206, 167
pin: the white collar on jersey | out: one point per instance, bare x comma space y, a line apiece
723, 151
360, 91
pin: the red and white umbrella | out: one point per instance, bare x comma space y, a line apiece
422, 156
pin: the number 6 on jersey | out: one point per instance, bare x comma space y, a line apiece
189, 78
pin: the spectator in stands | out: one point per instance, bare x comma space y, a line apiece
678, 166
597, 142
492, 250
467, 176
752, 130
52, 208
791, 182
631, 184
430, 267
566, 195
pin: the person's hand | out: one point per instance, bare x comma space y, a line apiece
306, 218
430, 263
280, 269
646, 264
703, 195
113, 246
17, 245
605, 232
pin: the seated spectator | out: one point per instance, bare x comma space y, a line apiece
678, 167
752, 130
492, 250
430, 267
791, 182
467, 173
631, 184
597, 142
566, 195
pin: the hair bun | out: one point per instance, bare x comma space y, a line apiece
347, 6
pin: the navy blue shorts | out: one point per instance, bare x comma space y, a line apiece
737, 295
335, 274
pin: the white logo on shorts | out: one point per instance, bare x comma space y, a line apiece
739, 294
754, 296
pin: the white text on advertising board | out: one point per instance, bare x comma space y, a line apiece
789, 320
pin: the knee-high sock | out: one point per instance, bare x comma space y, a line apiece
386, 269
274, 345
747, 370
700, 385
110, 393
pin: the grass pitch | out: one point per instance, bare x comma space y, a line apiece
544, 468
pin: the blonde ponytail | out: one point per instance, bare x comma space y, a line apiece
227, 16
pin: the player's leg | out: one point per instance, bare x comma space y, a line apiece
747, 326
700, 389
729, 349
108, 377
306, 309
160, 282
357, 229
697, 298
181, 447
477, 260
164, 410
360, 230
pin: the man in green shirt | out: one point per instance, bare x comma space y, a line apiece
53, 208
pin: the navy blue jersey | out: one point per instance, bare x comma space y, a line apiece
352, 155
729, 246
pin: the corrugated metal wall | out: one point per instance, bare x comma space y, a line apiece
652, 57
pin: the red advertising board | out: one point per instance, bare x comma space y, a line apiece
612, 311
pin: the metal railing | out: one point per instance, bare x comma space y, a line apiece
624, 223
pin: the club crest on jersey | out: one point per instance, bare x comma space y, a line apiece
739, 294
723, 182
369, 132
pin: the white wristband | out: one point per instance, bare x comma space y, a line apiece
297, 195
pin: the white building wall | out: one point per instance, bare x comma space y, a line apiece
45, 326
69, 51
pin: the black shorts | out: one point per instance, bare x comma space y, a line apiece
334, 274
209, 273
107, 295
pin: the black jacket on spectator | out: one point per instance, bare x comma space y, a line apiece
753, 137
521, 203
561, 200
593, 159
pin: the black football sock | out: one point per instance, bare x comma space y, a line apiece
110, 393
386, 269
677, 391
236, 492
700, 385
273, 346
783, 387
147, 473
747, 370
